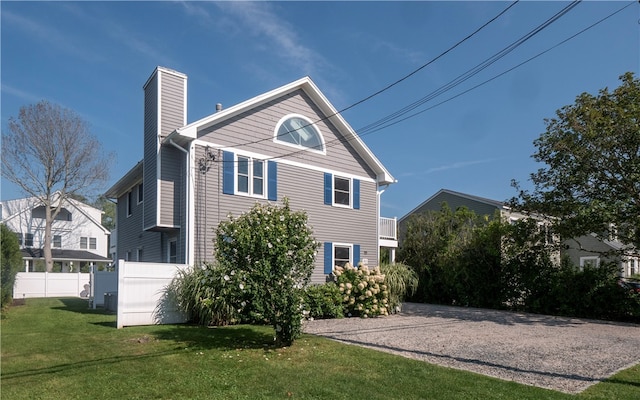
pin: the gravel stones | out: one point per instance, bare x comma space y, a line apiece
564, 354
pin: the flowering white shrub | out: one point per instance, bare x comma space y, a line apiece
269, 255
363, 290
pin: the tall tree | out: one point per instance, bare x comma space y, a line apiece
50, 153
591, 180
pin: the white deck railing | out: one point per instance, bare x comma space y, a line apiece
388, 228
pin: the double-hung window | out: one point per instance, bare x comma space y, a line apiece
57, 241
339, 254
249, 176
341, 191
28, 239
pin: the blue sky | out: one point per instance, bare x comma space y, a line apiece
94, 57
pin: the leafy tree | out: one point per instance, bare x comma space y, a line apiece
591, 179
11, 263
269, 253
50, 153
108, 208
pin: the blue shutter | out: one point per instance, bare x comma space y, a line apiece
356, 194
228, 160
328, 188
328, 257
356, 254
272, 179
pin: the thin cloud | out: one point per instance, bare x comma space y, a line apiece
45, 33
261, 21
456, 165
21, 94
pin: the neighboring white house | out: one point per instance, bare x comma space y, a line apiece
78, 238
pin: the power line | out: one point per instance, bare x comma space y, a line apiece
415, 71
370, 131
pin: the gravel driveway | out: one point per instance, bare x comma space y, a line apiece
564, 354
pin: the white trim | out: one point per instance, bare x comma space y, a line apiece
158, 147
284, 161
307, 85
310, 123
333, 191
585, 259
333, 251
249, 193
190, 234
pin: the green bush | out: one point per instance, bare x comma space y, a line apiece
401, 281
201, 294
363, 290
322, 301
269, 253
11, 264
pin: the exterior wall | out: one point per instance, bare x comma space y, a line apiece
150, 170
587, 246
165, 104
172, 187
305, 190
258, 125
300, 177
453, 201
18, 217
131, 237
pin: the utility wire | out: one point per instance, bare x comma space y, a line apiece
370, 131
473, 71
450, 85
389, 86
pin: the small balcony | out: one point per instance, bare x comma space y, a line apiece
388, 232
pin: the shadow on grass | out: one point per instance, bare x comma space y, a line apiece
221, 338
83, 365
81, 306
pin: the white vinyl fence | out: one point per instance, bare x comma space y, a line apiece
142, 297
52, 284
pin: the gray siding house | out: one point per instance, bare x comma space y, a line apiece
289, 142
588, 249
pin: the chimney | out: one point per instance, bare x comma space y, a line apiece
218, 107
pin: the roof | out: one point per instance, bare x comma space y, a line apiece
494, 203
20, 206
126, 182
64, 255
190, 131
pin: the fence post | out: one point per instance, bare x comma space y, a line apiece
121, 269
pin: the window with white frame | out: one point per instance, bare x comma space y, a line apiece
19, 237
300, 132
342, 254
140, 194
84, 242
589, 261
250, 176
341, 191
93, 243
247, 175
57, 241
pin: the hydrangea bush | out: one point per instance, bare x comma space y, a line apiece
269, 254
363, 290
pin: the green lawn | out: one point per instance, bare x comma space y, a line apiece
60, 349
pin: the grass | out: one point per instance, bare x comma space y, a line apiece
60, 349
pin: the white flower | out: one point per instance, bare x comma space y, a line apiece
241, 286
226, 277
269, 245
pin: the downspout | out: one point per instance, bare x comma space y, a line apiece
187, 207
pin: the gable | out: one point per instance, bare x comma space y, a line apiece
254, 131
251, 124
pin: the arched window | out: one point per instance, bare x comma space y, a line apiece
298, 131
